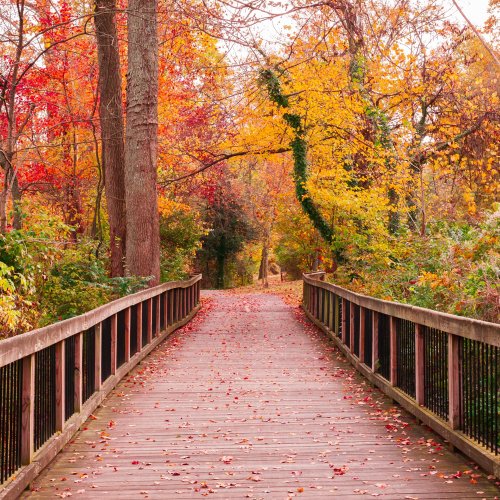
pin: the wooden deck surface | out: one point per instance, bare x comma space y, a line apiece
251, 401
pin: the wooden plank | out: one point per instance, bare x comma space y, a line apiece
15, 487
28, 410
261, 414
488, 461
60, 385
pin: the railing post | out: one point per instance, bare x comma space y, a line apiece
454, 379
149, 337
419, 364
114, 343
128, 314
352, 318
374, 341
98, 356
60, 384
28, 410
78, 371
362, 321
393, 348
139, 327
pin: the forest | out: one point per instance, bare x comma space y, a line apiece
144, 141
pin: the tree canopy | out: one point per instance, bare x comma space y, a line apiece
141, 141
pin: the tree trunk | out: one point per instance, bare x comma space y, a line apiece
315, 266
112, 130
220, 276
264, 263
3, 210
141, 142
17, 221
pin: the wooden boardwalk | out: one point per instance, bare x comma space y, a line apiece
251, 401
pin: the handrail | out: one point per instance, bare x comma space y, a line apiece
53, 378
17, 347
443, 369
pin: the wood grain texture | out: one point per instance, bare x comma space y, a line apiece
253, 401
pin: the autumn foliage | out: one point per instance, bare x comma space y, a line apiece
358, 136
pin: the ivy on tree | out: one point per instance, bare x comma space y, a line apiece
299, 151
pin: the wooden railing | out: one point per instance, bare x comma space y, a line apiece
53, 378
443, 369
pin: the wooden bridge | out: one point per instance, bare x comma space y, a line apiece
251, 400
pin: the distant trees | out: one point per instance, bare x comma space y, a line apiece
229, 230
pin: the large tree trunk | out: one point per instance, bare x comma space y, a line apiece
112, 130
141, 142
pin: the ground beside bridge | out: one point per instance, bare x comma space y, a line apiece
251, 401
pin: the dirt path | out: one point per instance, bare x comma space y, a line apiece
251, 401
